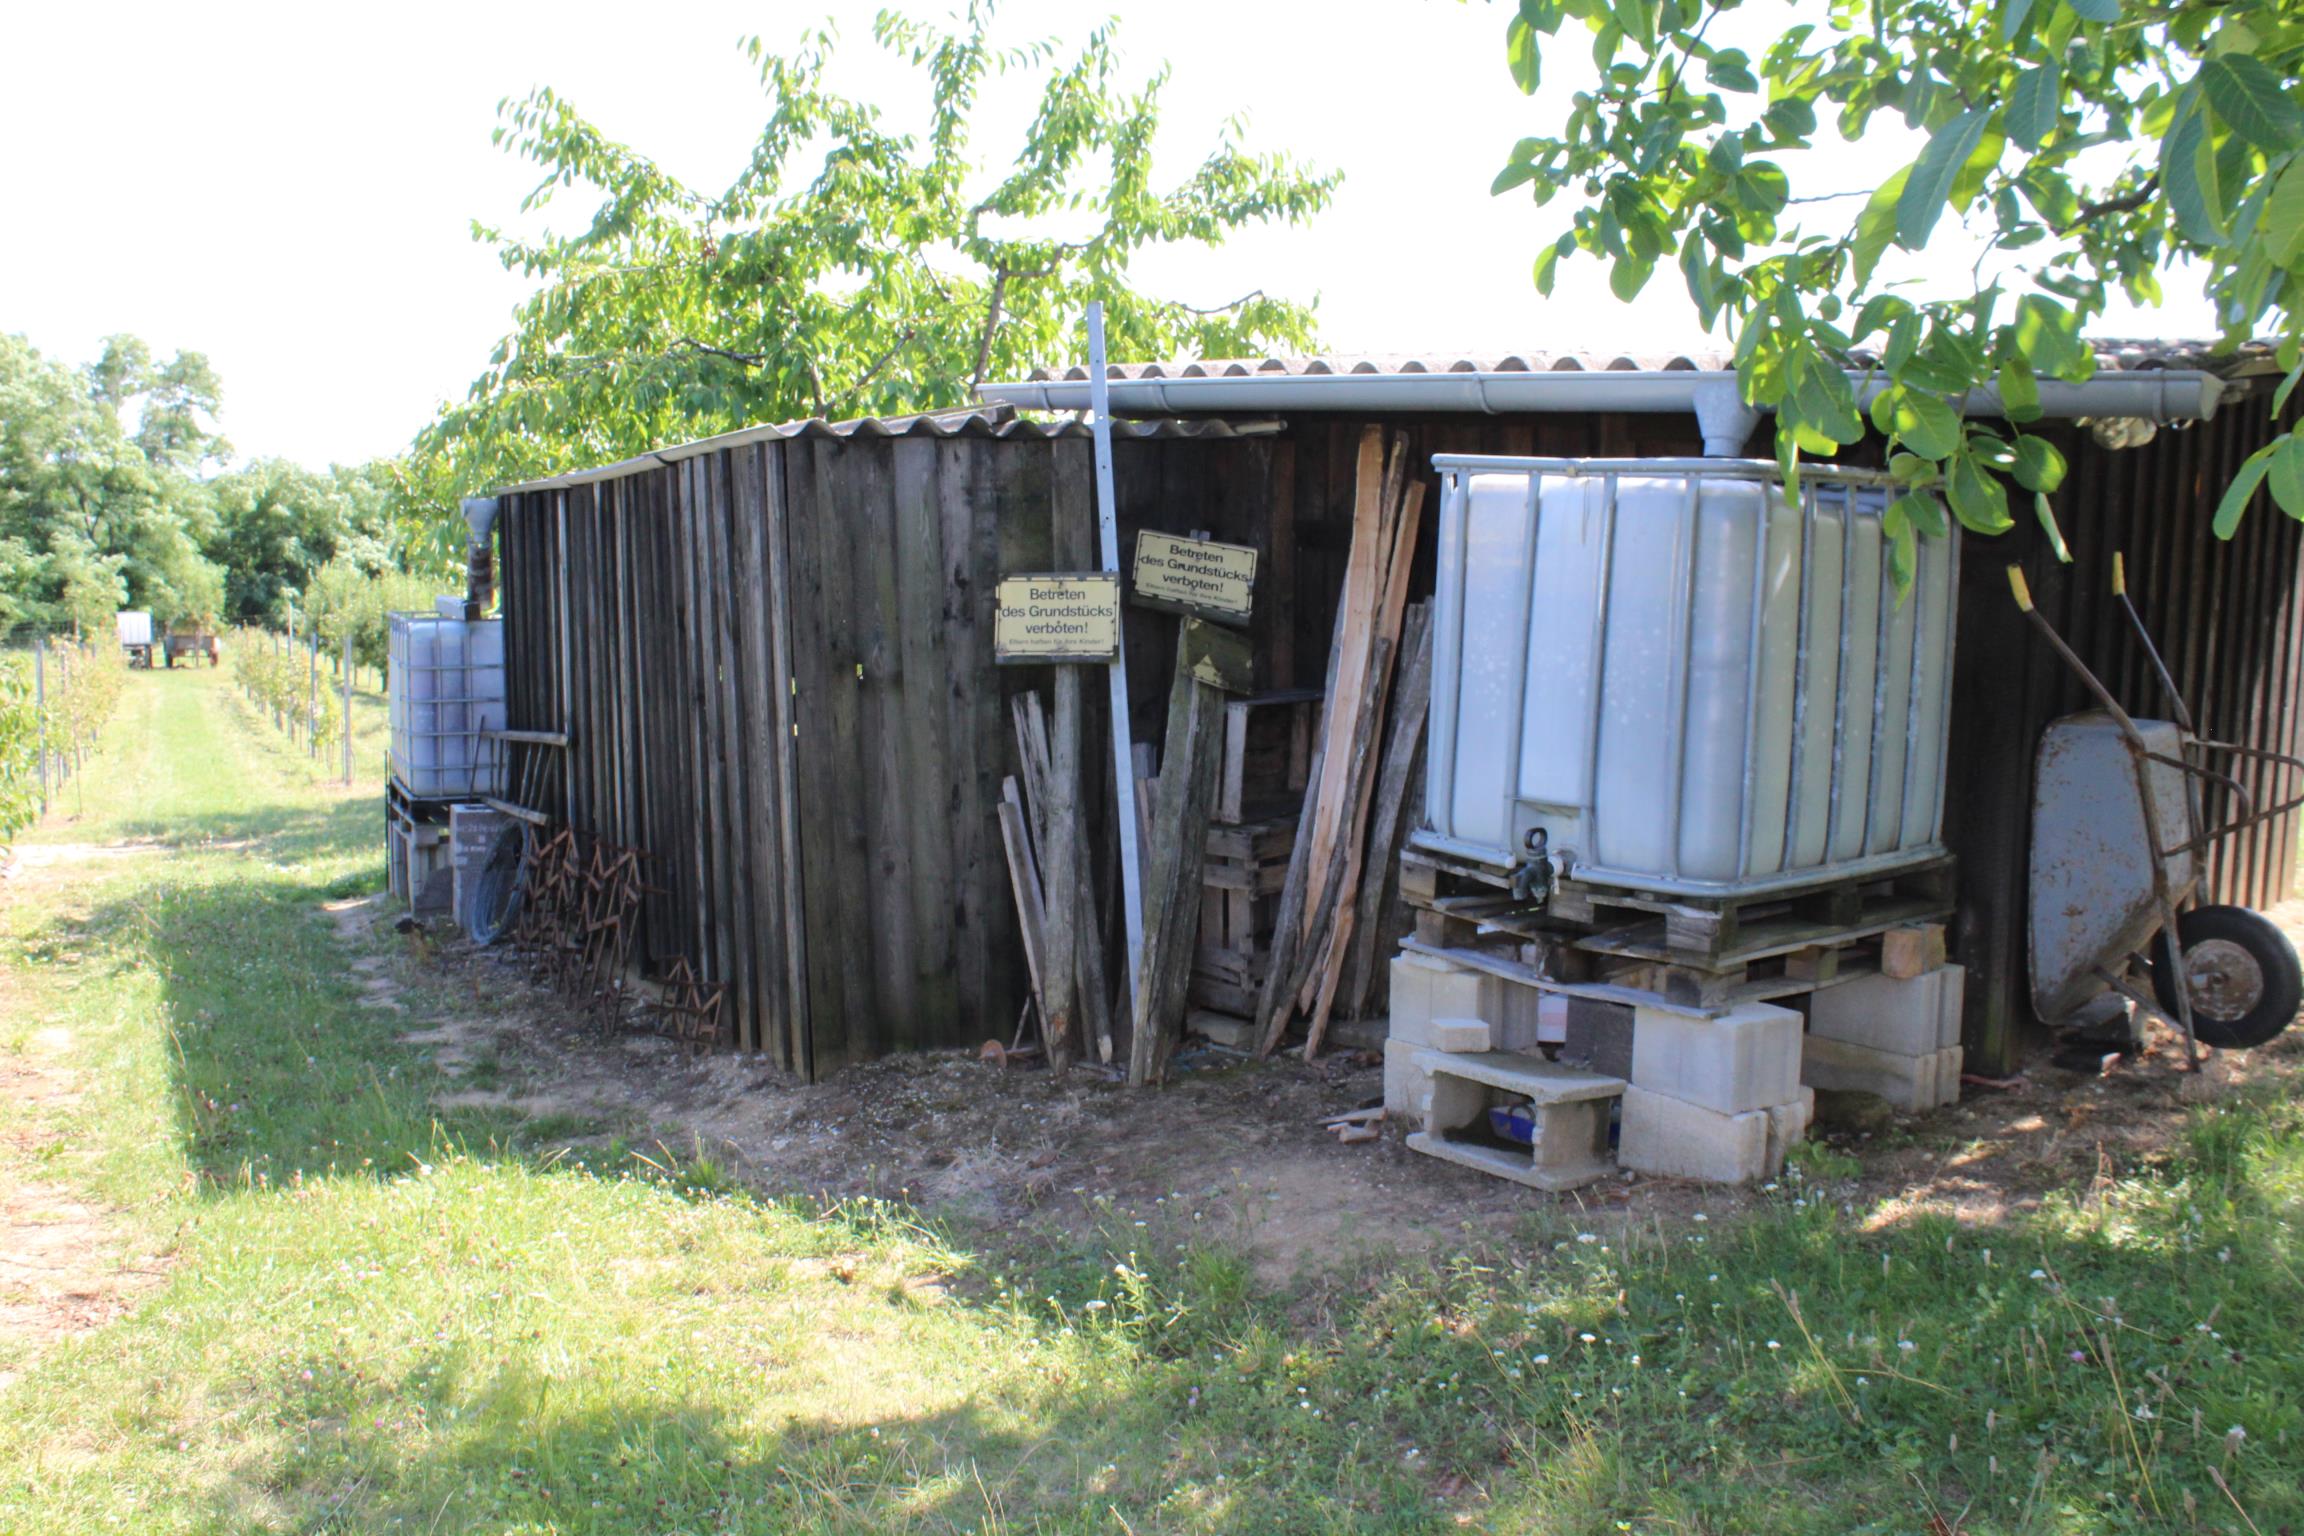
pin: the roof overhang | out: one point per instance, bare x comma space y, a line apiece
2156, 394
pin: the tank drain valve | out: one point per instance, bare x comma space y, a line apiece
1532, 877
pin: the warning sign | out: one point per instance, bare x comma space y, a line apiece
1057, 617
1195, 576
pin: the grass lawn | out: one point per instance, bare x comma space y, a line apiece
365, 1314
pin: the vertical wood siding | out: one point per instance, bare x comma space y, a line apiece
775, 664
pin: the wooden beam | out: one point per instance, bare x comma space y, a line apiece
516, 812
1172, 875
1024, 881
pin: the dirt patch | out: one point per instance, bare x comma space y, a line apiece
1234, 1148
66, 1266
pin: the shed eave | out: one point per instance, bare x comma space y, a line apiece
2158, 394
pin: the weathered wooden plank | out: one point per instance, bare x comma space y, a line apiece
1195, 739
1353, 822
936, 783
969, 541
630, 674
576, 512
817, 654
891, 795
789, 872
692, 680
712, 774
843, 790
1411, 697
742, 1008
1355, 638
1024, 882
748, 571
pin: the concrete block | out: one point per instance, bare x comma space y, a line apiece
1425, 988
1788, 1126
1949, 1062
1459, 992
1912, 1017
1743, 1060
1460, 1035
1411, 999
1570, 1111
1908, 1082
1407, 1083
1551, 1019
1953, 999
1599, 1036
1664, 1135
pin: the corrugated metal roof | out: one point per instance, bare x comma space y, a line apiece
1400, 362
986, 421
2118, 354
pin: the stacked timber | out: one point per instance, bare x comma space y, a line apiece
1333, 905
1240, 884
1058, 913
1269, 743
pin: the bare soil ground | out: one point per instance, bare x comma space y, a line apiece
1233, 1147
66, 1265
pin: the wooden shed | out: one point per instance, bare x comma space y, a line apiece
772, 651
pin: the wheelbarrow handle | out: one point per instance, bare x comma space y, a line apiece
2071, 658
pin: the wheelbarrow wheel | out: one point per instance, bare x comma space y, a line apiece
2245, 979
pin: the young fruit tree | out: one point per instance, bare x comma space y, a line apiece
854, 266
2094, 147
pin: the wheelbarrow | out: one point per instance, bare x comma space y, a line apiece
2118, 849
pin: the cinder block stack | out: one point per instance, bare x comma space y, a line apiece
1716, 1098
1894, 1036
1464, 1042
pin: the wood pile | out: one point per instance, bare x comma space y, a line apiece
1056, 908
1210, 661
1355, 811
1240, 883
1269, 744
1269, 740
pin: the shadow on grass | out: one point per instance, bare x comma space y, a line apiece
278, 1063
1705, 1380
296, 826
532, 1454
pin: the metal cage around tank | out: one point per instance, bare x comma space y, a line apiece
1706, 685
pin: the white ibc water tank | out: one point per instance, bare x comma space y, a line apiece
1687, 680
444, 688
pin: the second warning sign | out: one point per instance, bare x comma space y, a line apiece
1195, 576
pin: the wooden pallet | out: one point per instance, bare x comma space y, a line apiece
1240, 884
1679, 926
1267, 756
1704, 953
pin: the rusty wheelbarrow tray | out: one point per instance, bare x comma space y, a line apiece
2117, 837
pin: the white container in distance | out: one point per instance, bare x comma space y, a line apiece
1687, 680
445, 687
134, 626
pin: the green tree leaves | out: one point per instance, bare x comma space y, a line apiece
1929, 186
2252, 99
101, 508
2112, 145
2036, 104
853, 270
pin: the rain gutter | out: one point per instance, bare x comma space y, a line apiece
2159, 395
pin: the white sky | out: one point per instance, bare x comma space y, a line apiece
290, 188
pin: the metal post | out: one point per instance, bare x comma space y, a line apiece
347, 709
40, 710
312, 695
1123, 751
